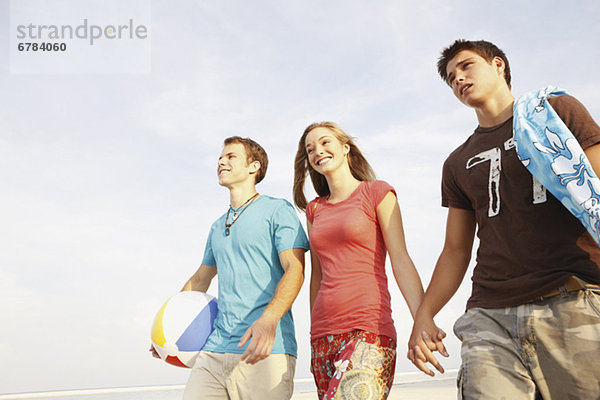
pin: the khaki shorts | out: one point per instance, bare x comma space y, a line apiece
222, 376
546, 349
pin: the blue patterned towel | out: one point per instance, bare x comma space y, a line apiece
551, 153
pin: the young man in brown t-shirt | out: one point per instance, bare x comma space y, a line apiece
532, 325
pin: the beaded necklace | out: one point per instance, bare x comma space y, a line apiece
235, 213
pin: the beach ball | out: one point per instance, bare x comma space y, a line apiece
182, 326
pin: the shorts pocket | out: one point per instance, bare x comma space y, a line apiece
459, 325
593, 298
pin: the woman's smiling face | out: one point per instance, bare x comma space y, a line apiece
325, 151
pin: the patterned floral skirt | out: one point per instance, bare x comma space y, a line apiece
353, 365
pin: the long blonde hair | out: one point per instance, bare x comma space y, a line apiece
359, 166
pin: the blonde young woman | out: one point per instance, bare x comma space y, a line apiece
352, 224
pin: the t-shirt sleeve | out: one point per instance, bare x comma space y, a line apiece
310, 210
578, 119
287, 229
209, 257
452, 195
378, 191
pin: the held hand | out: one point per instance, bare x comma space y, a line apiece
152, 350
422, 344
262, 336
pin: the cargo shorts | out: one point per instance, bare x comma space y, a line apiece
545, 349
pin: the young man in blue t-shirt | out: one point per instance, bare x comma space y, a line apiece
257, 249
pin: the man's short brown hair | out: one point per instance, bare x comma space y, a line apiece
254, 152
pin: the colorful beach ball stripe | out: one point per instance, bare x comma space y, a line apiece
182, 327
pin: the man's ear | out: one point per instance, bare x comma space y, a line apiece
254, 167
499, 64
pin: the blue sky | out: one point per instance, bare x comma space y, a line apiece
109, 180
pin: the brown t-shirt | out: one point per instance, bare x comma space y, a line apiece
529, 244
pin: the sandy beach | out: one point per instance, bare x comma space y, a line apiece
407, 386
432, 389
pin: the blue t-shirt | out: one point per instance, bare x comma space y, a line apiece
249, 270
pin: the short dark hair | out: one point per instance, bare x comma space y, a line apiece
483, 48
254, 152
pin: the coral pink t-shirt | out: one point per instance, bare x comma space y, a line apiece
348, 242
